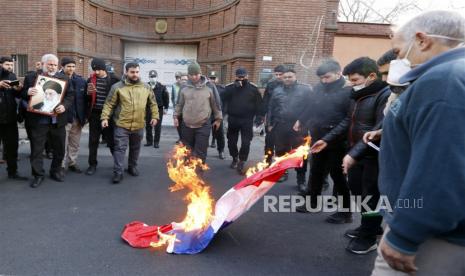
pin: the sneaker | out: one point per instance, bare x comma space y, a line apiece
213, 145
233, 164
117, 177
340, 218
357, 232
74, 168
133, 171
362, 245
240, 167
91, 170
221, 155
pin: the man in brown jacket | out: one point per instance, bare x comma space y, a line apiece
198, 99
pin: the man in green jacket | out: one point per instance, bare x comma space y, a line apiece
127, 102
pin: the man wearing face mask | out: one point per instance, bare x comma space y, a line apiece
369, 95
243, 101
330, 101
40, 127
422, 149
287, 103
163, 100
127, 101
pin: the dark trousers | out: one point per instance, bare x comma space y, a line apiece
39, 134
9, 137
244, 126
285, 139
363, 181
269, 145
95, 131
124, 137
218, 135
196, 139
329, 161
149, 137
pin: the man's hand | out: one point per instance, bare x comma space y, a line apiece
270, 128
371, 136
18, 87
153, 122
32, 91
5, 84
318, 146
296, 126
91, 89
60, 109
216, 124
104, 123
396, 259
347, 163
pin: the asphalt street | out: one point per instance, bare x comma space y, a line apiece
74, 227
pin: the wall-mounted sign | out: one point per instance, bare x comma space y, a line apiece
267, 58
161, 26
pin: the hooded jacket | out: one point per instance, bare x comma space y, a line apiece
127, 102
197, 102
364, 114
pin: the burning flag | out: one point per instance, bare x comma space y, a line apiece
202, 222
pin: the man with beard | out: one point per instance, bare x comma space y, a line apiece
369, 95
98, 87
198, 100
329, 104
127, 102
8, 116
163, 100
286, 105
42, 126
243, 101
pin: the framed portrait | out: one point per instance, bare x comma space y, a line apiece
50, 93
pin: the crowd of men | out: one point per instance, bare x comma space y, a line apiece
413, 97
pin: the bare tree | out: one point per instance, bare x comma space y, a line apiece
374, 11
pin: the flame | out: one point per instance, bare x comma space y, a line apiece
302, 150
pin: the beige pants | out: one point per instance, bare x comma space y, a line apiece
435, 257
73, 137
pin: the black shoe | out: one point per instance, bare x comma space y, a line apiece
213, 145
362, 245
133, 171
57, 176
91, 170
74, 168
148, 145
340, 218
221, 155
240, 167
284, 177
156, 145
233, 164
357, 232
37, 181
117, 177
16, 176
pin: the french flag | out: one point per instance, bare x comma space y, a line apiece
235, 202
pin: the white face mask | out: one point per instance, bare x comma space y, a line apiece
153, 80
360, 86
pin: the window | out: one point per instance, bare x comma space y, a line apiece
20, 65
223, 73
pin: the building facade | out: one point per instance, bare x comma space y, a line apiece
166, 35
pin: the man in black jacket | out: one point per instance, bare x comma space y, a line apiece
369, 95
273, 84
243, 101
42, 126
98, 87
8, 116
286, 105
329, 104
163, 101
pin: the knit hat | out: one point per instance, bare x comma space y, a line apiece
98, 64
67, 60
194, 69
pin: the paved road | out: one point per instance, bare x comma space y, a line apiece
73, 228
